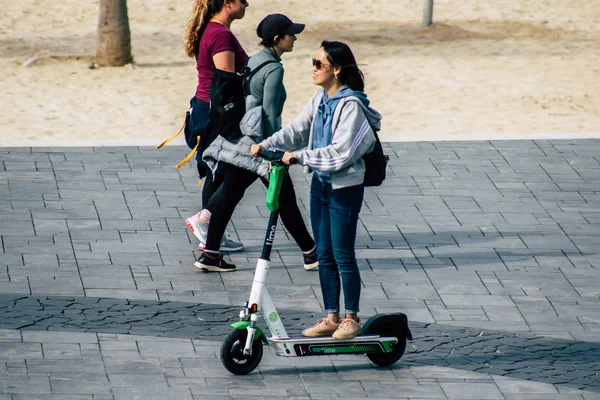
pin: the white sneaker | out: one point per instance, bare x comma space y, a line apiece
200, 230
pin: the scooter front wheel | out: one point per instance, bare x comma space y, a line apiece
232, 353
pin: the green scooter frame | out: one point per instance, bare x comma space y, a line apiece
382, 339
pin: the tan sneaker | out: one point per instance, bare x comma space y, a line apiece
324, 327
348, 329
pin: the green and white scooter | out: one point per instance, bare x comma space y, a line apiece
383, 337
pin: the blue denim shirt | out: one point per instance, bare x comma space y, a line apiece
323, 131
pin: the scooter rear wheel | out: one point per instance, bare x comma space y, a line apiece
386, 359
232, 353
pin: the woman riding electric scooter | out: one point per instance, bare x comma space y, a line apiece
330, 137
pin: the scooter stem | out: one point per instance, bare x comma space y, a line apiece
270, 236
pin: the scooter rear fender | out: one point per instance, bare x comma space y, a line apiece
388, 324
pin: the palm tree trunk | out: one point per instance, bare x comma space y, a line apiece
427, 13
113, 45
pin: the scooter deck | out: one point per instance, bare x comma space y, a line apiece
300, 347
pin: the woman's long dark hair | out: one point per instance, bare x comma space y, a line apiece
340, 55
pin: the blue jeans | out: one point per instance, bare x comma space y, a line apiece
334, 218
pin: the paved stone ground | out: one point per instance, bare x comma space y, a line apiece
490, 248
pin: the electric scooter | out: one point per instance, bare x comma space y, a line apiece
383, 337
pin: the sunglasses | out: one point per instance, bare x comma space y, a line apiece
318, 64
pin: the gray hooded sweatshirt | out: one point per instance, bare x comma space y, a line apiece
352, 137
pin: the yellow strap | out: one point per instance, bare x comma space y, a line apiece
189, 156
200, 183
187, 113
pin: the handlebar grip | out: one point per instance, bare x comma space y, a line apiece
274, 156
270, 155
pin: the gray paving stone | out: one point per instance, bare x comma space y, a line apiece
411, 291
223, 385
514, 386
146, 380
481, 300
24, 385
83, 384
503, 314
10, 335
543, 396
94, 367
471, 390
15, 286
166, 350
57, 397
116, 365
462, 289
147, 294
61, 351
135, 393
126, 282
17, 351
458, 314
58, 286
425, 390
51, 337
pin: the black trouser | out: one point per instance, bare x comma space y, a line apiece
223, 202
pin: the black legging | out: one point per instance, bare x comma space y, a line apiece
223, 202
210, 185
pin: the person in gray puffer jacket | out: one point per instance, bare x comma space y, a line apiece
330, 137
265, 97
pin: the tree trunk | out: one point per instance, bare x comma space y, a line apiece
427, 13
113, 43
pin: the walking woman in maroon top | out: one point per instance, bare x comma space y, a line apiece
211, 43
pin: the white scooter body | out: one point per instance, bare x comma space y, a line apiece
382, 339
295, 347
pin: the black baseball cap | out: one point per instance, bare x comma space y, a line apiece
277, 25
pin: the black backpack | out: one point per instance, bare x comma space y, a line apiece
375, 163
227, 108
227, 103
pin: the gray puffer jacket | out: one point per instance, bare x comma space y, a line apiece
237, 153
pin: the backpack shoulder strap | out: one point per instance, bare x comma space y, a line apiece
255, 70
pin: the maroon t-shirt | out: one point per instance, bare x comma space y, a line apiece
215, 39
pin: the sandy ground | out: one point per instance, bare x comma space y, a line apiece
487, 68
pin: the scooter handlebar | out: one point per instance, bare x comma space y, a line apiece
274, 156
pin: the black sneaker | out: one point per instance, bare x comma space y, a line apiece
210, 263
310, 260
